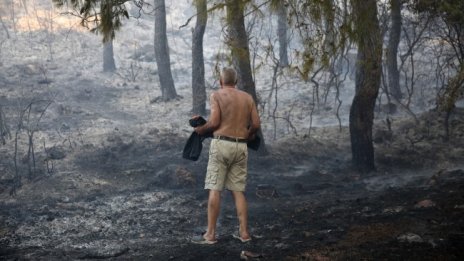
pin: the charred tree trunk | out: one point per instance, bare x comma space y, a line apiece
282, 28
163, 61
238, 43
198, 64
4, 130
108, 57
368, 73
392, 52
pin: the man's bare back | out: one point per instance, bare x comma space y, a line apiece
237, 112
233, 114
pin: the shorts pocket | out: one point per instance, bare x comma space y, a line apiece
242, 155
212, 175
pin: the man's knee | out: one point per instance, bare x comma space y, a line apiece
238, 195
214, 195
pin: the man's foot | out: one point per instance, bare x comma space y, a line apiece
201, 240
242, 239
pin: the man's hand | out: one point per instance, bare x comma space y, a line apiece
197, 121
199, 130
197, 126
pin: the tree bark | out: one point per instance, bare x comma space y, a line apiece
237, 40
5, 28
282, 28
108, 57
368, 75
198, 64
163, 61
392, 51
4, 130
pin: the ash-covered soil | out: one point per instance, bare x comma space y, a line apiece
132, 196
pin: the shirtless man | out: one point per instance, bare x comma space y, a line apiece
233, 120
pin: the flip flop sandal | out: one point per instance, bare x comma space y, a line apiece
200, 240
241, 239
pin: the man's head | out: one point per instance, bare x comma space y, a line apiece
228, 76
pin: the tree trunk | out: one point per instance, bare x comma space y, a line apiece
329, 39
168, 91
4, 130
392, 51
368, 75
237, 40
282, 28
108, 57
109, 65
198, 64
5, 28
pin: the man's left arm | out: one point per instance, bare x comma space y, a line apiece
255, 122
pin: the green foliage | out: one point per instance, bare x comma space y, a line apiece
308, 59
325, 28
452, 92
99, 16
452, 11
275, 4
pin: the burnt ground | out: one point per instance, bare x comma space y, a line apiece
134, 197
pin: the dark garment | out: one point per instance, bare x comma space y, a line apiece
193, 147
197, 122
254, 144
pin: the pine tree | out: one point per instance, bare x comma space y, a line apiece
100, 16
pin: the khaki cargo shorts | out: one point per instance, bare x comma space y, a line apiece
227, 165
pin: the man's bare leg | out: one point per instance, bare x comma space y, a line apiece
242, 213
214, 204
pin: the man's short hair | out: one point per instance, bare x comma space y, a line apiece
229, 76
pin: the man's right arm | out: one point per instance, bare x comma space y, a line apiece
214, 119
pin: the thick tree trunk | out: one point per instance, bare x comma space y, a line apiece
198, 64
368, 75
392, 52
163, 61
237, 41
108, 57
282, 28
